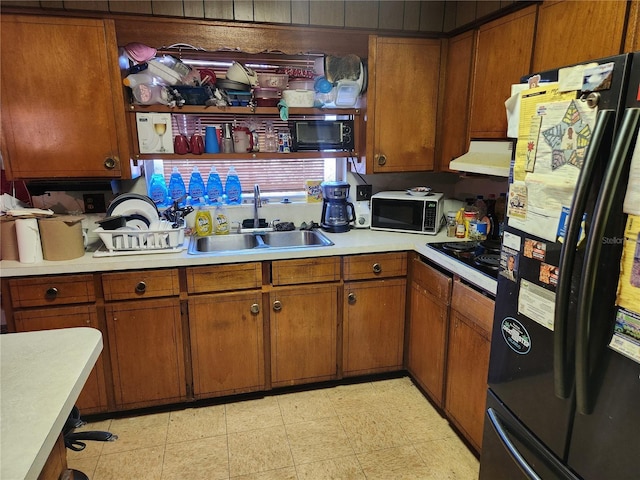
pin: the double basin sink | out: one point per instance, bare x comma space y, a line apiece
250, 241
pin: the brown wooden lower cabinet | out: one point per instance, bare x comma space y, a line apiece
304, 324
468, 360
227, 346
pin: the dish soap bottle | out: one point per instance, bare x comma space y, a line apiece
214, 186
204, 222
196, 187
158, 189
233, 187
177, 190
222, 221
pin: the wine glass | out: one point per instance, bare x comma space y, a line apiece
160, 126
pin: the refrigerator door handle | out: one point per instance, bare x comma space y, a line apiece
613, 177
511, 448
562, 363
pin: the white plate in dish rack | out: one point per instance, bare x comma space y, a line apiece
134, 206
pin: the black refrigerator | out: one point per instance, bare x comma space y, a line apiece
564, 377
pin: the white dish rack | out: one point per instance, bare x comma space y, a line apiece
122, 240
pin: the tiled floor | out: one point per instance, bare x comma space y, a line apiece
377, 430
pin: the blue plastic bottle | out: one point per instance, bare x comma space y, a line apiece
214, 186
177, 190
196, 187
158, 189
233, 188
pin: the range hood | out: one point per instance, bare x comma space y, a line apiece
489, 157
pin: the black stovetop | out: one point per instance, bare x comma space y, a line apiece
483, 256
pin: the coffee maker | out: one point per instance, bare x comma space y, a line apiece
337, 212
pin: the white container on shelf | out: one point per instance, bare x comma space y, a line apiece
299, 98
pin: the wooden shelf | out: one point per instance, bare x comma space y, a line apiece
215, 110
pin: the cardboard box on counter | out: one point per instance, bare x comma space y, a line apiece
61, 237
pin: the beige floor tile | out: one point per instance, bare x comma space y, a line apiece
84, 465
394, 463
252, 414
288, 473
93, 448
259, 451
449, 459
372, 431
193, 423
138, 432
303, 406
202, 459
342, 468
141, 464
317, 440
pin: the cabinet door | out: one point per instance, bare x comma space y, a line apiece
303, 334
147, 352
93, 398
455, 107
227, 345
402, 96
374, 313
62, 102
503, 55
558, 45
428, 324
467, 369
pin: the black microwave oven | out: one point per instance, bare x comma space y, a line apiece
321, 135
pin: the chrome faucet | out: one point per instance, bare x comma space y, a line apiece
257, 203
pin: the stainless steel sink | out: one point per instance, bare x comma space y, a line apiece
250, 241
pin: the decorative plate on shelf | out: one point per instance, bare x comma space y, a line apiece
419, 191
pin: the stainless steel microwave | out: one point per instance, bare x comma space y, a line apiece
322, 135
402, 212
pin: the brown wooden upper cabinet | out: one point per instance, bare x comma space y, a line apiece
454, 120
503, 55
62, 101
573, 32
402, 101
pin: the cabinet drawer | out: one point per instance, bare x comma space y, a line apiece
473, 305
140, 284
378, 265
305, 270
59, 290
221, 278
431, 280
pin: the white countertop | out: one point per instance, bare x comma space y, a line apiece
41, 376
355, 241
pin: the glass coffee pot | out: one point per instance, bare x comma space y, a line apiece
337, 212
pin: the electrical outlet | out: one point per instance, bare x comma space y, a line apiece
363, 192
94, 203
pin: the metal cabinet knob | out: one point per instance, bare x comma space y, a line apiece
255, 308
382, 159
141, 287
351, 298
110, 163
277, 305
51, 293
377, 268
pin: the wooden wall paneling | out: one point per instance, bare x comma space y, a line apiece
172, 8
243, 10
218, 9
391, 15
326, 13
632, 38
358, 14
130, 6
272, 11
432, 16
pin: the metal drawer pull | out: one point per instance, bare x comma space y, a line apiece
277, 305
377, 268
351, 298
255, 308
141, 287
51, 293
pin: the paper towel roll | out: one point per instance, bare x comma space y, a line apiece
29, 246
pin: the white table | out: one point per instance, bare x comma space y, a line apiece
41, 376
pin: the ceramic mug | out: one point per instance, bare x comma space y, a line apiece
181, 145
197, 144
